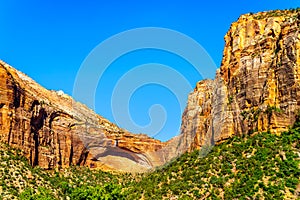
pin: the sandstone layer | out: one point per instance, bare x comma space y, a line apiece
54, 131
257, 87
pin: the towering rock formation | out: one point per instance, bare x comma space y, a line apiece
257, 87
55, 131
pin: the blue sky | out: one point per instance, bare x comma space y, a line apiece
49, 40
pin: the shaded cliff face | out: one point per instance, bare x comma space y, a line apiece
55, 131
257, 87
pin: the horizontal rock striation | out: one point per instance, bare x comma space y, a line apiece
55, 131
256, 89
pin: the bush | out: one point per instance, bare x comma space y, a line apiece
41, 194
109, 191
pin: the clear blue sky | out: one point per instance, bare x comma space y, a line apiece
48, 40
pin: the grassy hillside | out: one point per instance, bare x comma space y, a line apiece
261, 166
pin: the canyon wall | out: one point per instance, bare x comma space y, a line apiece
257, 87
54, 131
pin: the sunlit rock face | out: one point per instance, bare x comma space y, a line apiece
54, 131
256, 89
257, 86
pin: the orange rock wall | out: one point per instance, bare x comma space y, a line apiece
55, 131
257, 87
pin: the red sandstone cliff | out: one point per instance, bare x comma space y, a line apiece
55, 131
257, 88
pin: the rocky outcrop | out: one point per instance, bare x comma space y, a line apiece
55, 131
197, 116
257, 87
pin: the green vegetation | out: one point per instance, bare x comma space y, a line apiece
247, 167
230, 99
295, 10
243, 167
18, 180
271, 109
275, 13
252, 114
